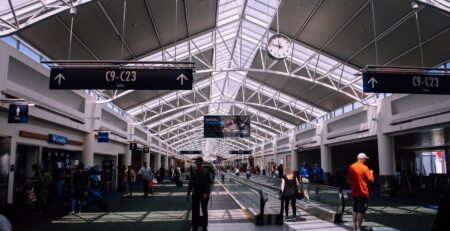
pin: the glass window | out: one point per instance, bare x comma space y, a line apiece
30, 53
11, 41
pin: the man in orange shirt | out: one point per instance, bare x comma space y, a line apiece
358, 177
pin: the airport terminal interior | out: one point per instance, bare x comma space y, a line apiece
222, 115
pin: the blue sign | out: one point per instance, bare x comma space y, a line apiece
55, 139
408, 83
18, 113
103, 137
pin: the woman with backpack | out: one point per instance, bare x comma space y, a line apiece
289, 192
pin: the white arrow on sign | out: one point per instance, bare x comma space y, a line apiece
182, 77
372, 81
60, 77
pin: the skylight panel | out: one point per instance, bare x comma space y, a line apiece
257, 21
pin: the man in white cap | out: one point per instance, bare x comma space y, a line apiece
358, 176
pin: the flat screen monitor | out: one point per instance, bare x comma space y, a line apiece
226, 126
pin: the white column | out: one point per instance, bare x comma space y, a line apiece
128, 157
88, 149
294, 154
386, 148
386, 160
12, 160
166, 162
157, 161
325, 158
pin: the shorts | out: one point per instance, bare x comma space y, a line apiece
360, 204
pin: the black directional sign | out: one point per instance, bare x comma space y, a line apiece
241, 152
120, 78
409, 83
191, 152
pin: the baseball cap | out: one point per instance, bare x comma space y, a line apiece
362, 156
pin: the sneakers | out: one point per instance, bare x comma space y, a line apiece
72, 212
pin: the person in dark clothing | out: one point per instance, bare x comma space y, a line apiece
162, 173
200, 184
68, 186
289, 189
281, 172
38, 184
80, 182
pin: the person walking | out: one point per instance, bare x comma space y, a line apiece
319, 177
305, 176
162, 174
80, 182
37, 182
281, 172
129, 178
358, 177
289, 190
146, 173
200, 184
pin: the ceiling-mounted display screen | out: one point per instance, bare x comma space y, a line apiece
226, 126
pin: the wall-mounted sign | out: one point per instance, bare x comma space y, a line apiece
56, 139
103, 137
18, 113
240, 152
146, 149
190, 152
121, 78
299, 149
133, 146
404, 82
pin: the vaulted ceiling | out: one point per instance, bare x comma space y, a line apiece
333, 40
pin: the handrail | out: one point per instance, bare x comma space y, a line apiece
339, 208
263, 198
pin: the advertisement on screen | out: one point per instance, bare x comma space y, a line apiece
226, 126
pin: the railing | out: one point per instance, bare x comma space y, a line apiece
321, 196
243, 193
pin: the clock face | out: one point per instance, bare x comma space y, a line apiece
279, 46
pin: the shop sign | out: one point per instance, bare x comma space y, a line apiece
146, 149
18, 113
56, 139
103, 137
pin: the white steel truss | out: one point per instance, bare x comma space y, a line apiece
238, 42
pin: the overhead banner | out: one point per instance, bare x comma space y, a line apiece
226, 126
408, 83
18, 113
190, 152
103, 137
240, 152
71, 78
